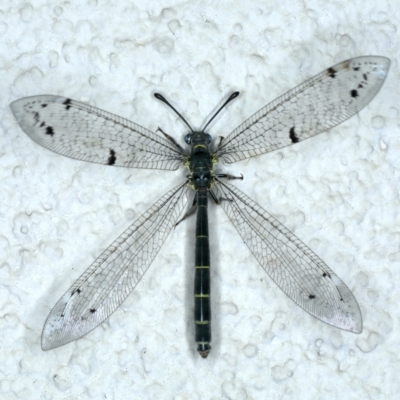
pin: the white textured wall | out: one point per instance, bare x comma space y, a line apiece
338, 192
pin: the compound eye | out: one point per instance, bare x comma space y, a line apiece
188, 138
209, 138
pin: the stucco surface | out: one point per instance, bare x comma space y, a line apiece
338, 192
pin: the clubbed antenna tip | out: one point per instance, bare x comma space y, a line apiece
230, 98
164, 100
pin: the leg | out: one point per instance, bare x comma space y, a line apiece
221, 139
216, 200
181, 150
191, 211
227, 176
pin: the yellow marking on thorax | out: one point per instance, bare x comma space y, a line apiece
200, 145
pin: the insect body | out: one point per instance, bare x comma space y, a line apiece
80, 131
202, 178
200, 164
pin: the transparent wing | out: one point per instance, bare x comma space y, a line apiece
316, 105
296, 269
78, 130
114, 274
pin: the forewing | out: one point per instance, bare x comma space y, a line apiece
296, 269
114, 274
78, 130
316, 105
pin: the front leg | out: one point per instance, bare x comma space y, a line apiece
181, 150
221, 139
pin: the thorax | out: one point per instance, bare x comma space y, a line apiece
201, 162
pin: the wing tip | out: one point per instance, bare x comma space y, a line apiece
384, 65
384, 62
15, 108
24, 110
357, 330
46, 346
46, 342
354, 321
15, 105
353, 325
372, 57
357, 324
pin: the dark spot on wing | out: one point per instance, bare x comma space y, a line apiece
356, 68
49, 131
93, 310
354, 93
332, 72
67, 104
325, 274
311, 296
360, 86
292, 135
62, 315
365, 77
36, 117
44, 105
42, 124
75, 291
111, 160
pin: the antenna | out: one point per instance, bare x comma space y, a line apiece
231, 97
163, 99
